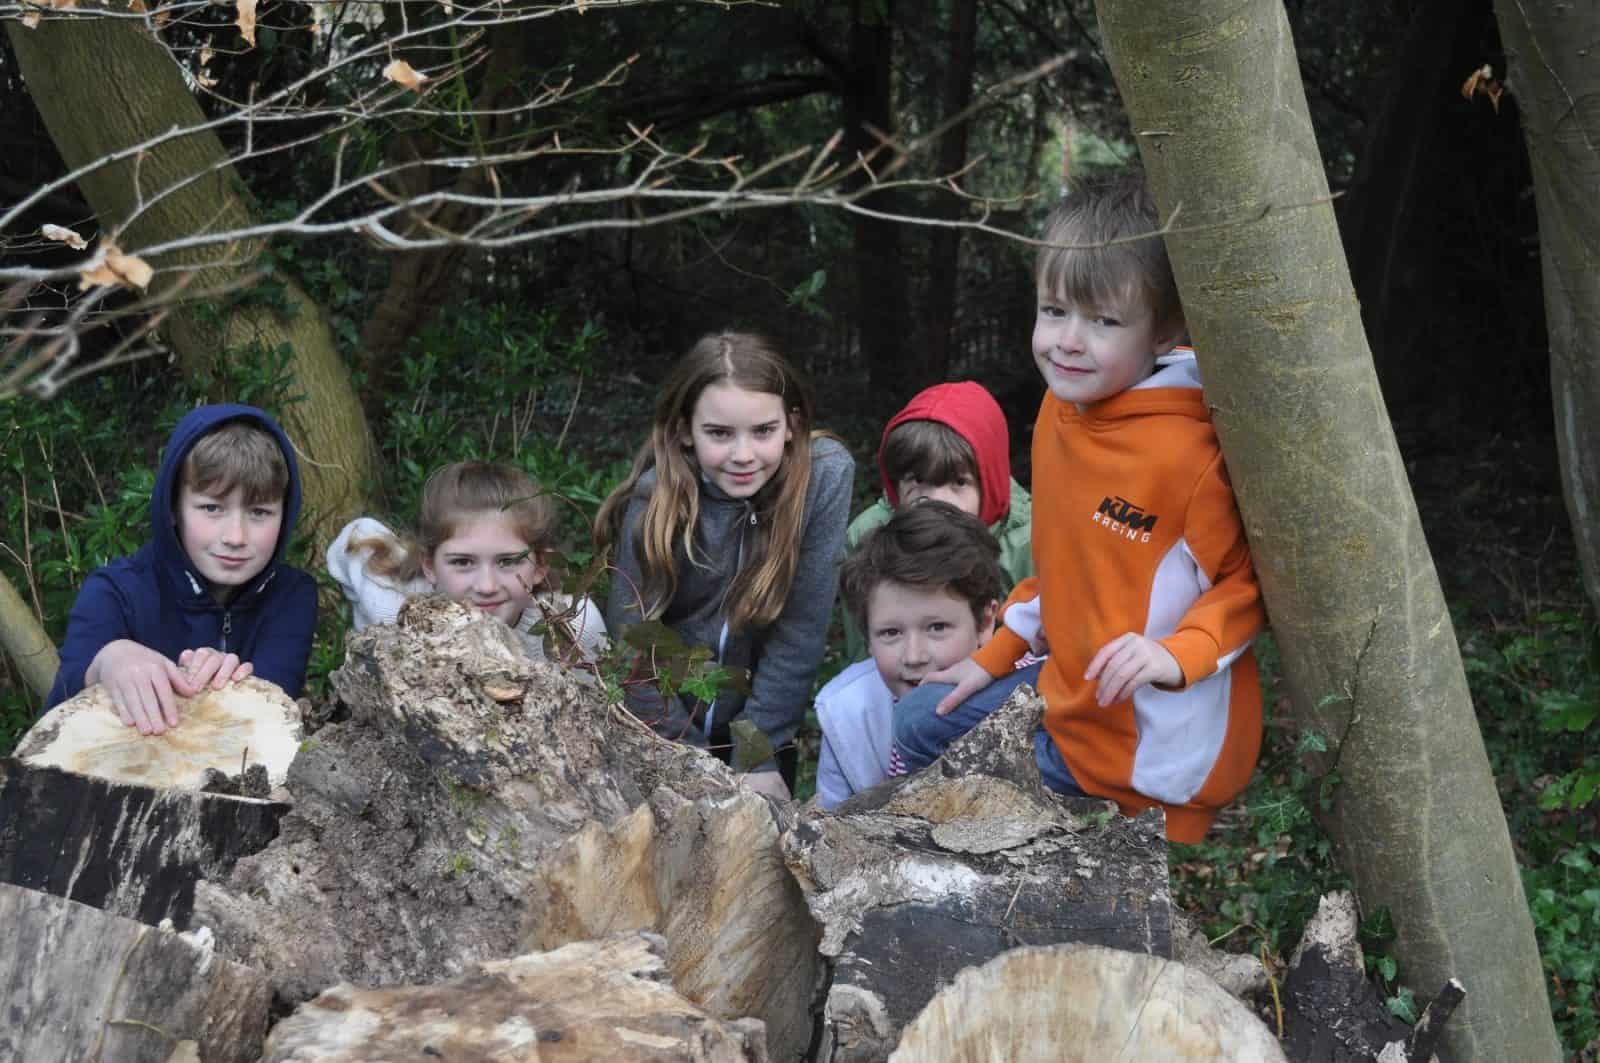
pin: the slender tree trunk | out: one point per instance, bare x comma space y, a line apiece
944, 245
25, 642
880, 268
102, 84
1556, 83
1215, 98
420, 280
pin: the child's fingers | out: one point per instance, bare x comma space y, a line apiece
166, 707
190, 678
1109, 650
962, 691
227, 668
245, 670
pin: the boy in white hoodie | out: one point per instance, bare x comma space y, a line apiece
924, 587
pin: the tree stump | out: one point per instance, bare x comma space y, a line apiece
79, 984
1084, 1004
419, 820
946, 869
247, 722
709, 877
596, 1000
95, 812
1332, 1011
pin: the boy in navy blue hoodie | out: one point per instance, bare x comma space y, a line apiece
208, 599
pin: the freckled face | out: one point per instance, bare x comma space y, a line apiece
738, 437
1087, 354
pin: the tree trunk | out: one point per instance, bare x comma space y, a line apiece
944, 245
103, 84
1556, 84
25, 641
880, 268
1370, 657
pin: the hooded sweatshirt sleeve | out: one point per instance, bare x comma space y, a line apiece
99, 616
791, 651
1228, 614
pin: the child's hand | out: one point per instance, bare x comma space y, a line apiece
1127, 663
206, 665
969, 678
144, 686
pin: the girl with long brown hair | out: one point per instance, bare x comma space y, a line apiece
729, 530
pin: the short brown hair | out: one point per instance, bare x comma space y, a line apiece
933, 452
237, 454
1104, 263
931, 545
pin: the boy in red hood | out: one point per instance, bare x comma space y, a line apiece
950, 443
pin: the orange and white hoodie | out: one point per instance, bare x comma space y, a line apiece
1135, 529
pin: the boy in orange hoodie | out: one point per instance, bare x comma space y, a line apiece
1144, 594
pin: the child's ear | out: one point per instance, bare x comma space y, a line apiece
427, 567
1171, 338
991, 609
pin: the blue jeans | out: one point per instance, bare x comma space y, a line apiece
922, 736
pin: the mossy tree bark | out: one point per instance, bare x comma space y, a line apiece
25, 642
1370, 656
102, 85
1556, 84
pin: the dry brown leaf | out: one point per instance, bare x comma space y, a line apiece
61, 234
117, 268
247, 21
1481, 82
401, 73
138, 6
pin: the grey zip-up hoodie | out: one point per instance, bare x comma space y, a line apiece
782, 658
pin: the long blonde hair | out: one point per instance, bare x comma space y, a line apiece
454, 494
761, 588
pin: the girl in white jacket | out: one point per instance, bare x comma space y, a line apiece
483, 535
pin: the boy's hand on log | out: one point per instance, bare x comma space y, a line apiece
968, 677
207, 665
1127, 663
144, 685
769, 783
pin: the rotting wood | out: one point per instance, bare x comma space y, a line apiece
420, 818
79, 984
134, 851
708, 876
932, 873
596, 1000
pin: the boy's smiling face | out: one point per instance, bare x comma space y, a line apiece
913, 631
1087, 354
228, 540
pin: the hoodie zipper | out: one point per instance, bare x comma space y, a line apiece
227, 628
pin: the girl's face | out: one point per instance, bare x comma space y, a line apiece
486, 564
738, 437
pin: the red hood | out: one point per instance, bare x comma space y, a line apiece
967, 407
